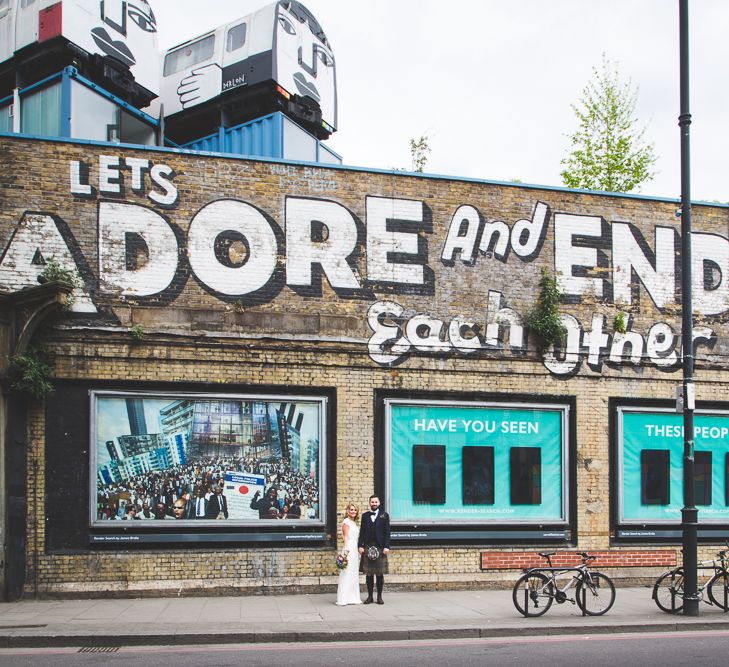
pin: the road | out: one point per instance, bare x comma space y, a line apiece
707, 648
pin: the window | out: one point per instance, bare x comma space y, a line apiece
4, 7
189, 55
655, 477
702, 478
24, 4
6, 118
41, 111
429, 474
236, 38
478, 475
525, 467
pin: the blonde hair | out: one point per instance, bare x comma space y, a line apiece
346, 511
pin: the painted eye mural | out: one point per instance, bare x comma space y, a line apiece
286, 24
141, 13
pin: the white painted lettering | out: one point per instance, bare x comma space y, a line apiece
567, 255
238, 217
116, 220
331, 253
628, 257
381, 241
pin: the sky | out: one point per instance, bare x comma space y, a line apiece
491, 82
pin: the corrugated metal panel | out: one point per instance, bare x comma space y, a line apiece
257, 138
211, 143
263, 137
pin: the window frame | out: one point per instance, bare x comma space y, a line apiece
172, 53
228, 33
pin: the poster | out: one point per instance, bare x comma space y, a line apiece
651, 466
467, 463
239, 459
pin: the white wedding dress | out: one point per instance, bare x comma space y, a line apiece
348, 588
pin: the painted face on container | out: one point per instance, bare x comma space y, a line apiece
305, 63
121, 24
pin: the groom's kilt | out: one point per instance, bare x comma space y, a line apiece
367, 566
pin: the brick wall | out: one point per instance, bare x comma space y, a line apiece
279, 326
617, 558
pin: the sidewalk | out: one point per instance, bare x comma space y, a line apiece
315, 618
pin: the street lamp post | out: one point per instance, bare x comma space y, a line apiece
689, 513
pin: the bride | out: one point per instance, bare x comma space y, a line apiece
348, 588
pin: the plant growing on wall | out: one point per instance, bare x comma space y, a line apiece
419, 152
30, 372
544, 319
138, 332
619, 323
53, 271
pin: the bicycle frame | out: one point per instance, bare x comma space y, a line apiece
717, 565
554, 573
581, 574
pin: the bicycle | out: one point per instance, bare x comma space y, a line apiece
536, 590
668, 589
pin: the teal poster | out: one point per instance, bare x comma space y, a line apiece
651, 466
472, 463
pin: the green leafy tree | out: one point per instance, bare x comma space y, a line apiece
608, 149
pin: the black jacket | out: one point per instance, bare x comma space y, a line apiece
213, 508
377, 532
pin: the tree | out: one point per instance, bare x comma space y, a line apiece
419, 152
608, 149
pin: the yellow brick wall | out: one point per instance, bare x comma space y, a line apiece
245, 348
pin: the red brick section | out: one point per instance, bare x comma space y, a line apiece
519, 560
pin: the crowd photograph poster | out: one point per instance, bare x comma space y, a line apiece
237, 459
473, 463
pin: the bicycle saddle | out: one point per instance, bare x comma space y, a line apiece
547, 554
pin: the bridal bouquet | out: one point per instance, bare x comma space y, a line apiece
342, 560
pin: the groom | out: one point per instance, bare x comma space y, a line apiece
374, 531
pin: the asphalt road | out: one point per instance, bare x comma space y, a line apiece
705, 648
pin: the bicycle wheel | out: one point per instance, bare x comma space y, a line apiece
717, 596
533, 594
599, 594
668, 591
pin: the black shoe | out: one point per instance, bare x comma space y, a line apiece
380, 600
369, 600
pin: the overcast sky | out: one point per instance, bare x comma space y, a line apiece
491, 81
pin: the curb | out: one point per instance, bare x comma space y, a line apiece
187, 639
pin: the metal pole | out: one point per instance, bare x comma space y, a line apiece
689, 513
